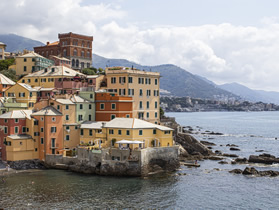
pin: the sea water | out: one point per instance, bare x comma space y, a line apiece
209, 187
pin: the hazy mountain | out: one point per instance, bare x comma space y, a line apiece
174, 79
17, 43
251, 95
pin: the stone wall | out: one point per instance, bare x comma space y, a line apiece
115, 162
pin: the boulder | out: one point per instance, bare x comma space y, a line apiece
241, 160
207, 143
192, 145
250, 171
223, 162
215, 158
218, 152
264, 158
182, 152
236, 171
230, 155
234, 149
260, 150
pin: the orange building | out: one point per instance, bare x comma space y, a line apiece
110, 106
50, 136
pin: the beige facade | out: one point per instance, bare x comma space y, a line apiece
71, 136
141, 85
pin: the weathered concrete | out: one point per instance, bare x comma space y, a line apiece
116, 162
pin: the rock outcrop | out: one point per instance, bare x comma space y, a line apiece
263, 158
255, 172
26, 164
192, 145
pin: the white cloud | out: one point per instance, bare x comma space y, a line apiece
222, 53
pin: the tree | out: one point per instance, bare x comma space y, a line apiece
4, 64
89, 71
10, 74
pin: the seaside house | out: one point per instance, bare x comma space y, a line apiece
23, 93
12, 123
5, 83
50, 136
110, 106
142, 86
95, 81
8, 104
31, 62
91, 133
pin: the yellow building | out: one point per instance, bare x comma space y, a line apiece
30, 62
21, 147
143, 86
51, 77
23, 93
129, 129
92, 133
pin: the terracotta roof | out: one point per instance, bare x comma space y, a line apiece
5, 80
53, 43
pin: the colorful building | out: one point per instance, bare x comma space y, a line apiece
75, 47
31, 62
91, 133
142, 86
50, 136
9, 104
23, 93
85, 109
60, 61
110, 106
12, 123
5, 83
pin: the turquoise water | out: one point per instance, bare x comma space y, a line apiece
207, 187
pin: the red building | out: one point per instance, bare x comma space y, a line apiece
75, 47
12, 123
110, 106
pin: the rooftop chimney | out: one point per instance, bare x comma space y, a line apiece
47, 43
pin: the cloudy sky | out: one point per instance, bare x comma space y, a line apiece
224, 41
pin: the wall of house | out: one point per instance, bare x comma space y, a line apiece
73, 135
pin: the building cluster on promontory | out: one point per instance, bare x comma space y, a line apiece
55, 110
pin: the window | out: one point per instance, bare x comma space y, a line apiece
80, 117
24, 59
67, 107
75, 52
67, 137
127, 116
130, 92
91, 95
81, 106
122, 80
140, 92
102, 106
148, 92
167, 132
88, 55
36, 133
140, 105
53, 142
99, 131
24, 69
147, 104
42, 129
122, 92
21, 94
36, 80
112, 116
65, 52
28, 80
67, 117
154, 131
130, 79
36, 122
156, 81
82, 53
90, 106
140, 132
6, 130
89, 117
76, 127
113, 80
36, 149
156, 104
16, 129
42, 140
53, 129
67, 127
111, 131
5, 120
156, 115
16, 120
147, 115
128, 132
119, 132
90, 132
113, 106
53, 119
81, 132
58, 107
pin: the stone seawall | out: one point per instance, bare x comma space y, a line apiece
115, 162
